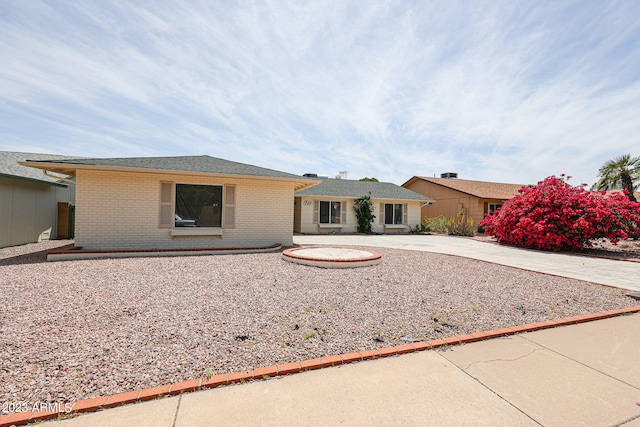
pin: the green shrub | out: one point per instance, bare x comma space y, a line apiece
435, 224
417, 229
364, 213
461, 227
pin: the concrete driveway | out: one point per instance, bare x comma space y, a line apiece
620, 274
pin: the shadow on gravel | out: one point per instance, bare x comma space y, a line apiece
31, 258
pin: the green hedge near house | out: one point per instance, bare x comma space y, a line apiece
364, 213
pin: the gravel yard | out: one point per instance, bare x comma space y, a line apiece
628, 250
79, 329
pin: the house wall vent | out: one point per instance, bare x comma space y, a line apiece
449, 175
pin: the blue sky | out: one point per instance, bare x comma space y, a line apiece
508, 91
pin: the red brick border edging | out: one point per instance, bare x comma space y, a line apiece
104, 402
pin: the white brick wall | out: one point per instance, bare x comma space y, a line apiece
116, 210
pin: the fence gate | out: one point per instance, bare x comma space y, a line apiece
66, 220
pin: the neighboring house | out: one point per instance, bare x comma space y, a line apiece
635, 193
29, 200
328, 207
457, 198
193, 202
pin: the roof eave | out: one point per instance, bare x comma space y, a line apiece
35, 180
372, 197
452, 188
301, 185
414, 178
70, 170
493, 197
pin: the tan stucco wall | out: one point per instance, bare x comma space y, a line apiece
449, 202
351, 225
29, 210
118, 210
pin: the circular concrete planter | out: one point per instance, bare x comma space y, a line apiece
332, 257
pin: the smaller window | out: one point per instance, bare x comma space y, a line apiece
494, 207
393, 213
330, 212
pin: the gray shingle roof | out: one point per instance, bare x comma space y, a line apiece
205, 164
9, 166
346, 188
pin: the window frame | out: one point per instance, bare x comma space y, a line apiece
394, 208
331, 210
228, 202
175, 204
495, 205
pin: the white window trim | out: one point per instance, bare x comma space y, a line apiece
199, 231
497, 205
393, 225
330, 224
186, 233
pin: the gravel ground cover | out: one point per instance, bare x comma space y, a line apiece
79, 329
628, 250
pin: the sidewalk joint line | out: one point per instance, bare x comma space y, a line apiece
490, 389
175, 417
622, 424
581, 363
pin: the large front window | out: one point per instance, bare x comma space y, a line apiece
330, 212
198, 206
393, 213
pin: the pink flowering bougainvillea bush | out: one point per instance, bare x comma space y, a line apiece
555, 215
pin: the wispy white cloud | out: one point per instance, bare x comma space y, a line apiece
508, 91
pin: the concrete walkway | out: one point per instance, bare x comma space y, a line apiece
621, 274
586, 374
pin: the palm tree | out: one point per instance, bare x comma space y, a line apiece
620, 173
